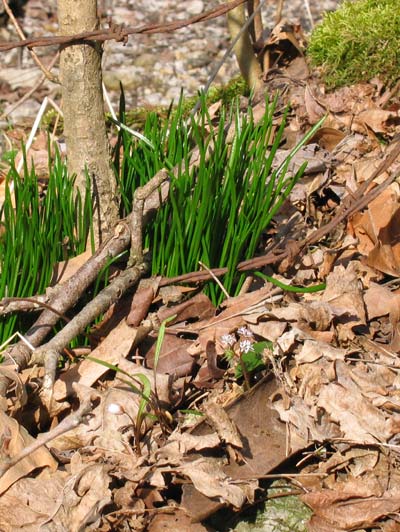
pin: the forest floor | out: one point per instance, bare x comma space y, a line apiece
321, 413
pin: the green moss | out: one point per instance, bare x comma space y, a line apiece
136, 118
277, 514
357, 42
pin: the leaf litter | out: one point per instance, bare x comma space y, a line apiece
322, 400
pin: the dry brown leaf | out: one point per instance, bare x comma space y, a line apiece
265, 449
142, 300
344, 296
85, 498
297, 69
62, 271
318, 524
118, 408
303, 423
174, 358
343, 509
14, 439
378, 120
312, 351
234, 315
315, 111
366, 167
318, 159
377, 230
361, 461
190, 442
371, 382
222, 423
269, 330
37, 500
172, 294
197, 308
385, 256
179, 521
358, 420
328, 138
340, 100
210, 480
380, 300
197, 505
115, 346
390, 526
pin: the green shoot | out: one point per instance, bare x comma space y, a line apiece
140, 385
217, 211
290, 288
160, 340
37, 232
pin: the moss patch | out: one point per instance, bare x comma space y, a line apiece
136, 118
357, 42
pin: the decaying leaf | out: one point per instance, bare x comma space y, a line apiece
377, 229
351, 506
14, 438
210, 480
114, 347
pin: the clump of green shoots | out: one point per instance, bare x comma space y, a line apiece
217, 210
357, 42
37, 232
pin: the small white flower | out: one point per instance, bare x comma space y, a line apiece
114, 408
245, 346
228, 340
244, 331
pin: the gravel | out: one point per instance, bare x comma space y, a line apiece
152, 68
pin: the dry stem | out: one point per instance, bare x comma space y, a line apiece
45, 70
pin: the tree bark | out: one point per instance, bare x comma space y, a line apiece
84, 125
246, 58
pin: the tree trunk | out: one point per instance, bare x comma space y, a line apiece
83, 107
246, 58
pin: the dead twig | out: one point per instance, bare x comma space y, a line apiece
309, 14
36, 87
137, 215
213, 75
45, 70
18, 304
279, 9
65, 296
257, 25
359, 201
48, 354
67, 424
119, 34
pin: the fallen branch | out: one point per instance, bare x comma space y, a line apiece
118, 33
358, 201
49, 353
128, 232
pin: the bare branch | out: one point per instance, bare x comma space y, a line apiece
45, 70
119, 34
69, 423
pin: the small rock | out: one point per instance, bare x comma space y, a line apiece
194, 7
